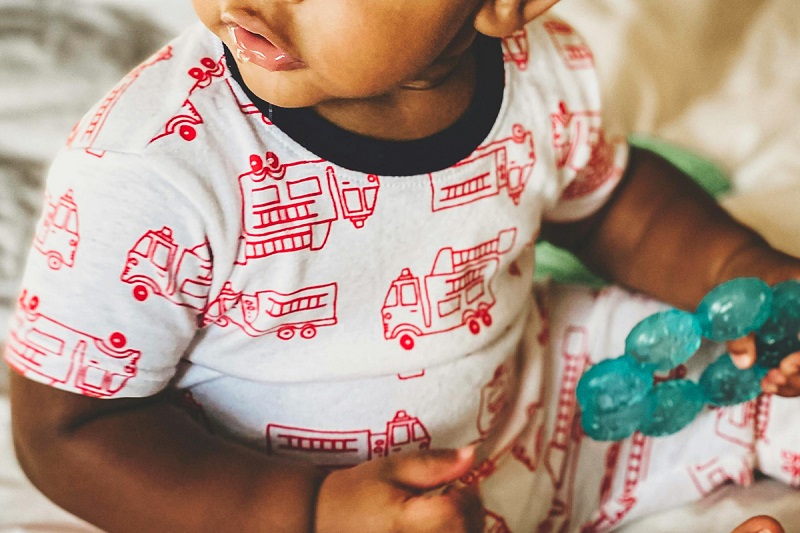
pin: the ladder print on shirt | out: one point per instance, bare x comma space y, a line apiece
301, 312
157, 264
456, 293
495, 399
502, 164
574, 51
187, 120
57, 234
709, 475
290, 207
38, 344
85, 133
516, 49
345, 448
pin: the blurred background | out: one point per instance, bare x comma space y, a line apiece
716, 82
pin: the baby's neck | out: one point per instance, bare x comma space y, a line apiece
407, 113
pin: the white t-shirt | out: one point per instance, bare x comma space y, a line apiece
304, 308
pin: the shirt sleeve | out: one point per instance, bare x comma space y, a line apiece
116, 278
589, 161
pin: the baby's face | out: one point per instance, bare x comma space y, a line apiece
296, 53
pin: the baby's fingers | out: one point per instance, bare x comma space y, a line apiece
743, 351
454, 511
784, 380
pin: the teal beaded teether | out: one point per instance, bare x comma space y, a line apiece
618, 396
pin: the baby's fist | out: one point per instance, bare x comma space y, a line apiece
784, 380
393, 494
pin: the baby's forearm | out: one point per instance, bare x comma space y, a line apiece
663, 235
146, 466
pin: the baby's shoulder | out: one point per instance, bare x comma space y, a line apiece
155, 100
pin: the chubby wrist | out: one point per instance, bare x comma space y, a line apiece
761, 260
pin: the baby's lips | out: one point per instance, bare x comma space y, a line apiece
254, 48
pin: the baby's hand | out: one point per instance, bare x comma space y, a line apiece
783, 381
759, 524
393, 494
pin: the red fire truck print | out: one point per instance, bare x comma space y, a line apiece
575, 134
516, 49
495, 398
505, 163
91, 130
613, 510
456, 293
206, 73
300, 312
291, 207
157, 264
575, 52
342, 449
57, 235
715, 472
791, 465
185, 123
40, 345
561, 453
736, 424
246, 106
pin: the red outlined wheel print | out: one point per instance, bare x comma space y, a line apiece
285, 333
34, 303
54, 262
406, 341
486, 318
140, 293
308, 331
473, 325
117, 340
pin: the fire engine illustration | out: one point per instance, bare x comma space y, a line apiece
341, 449
456, 293
91, 130
41, 345
576, 53
157, 264
736, 423
57, 235
185, 123
791, 465
516, 49
290, 207
613, 510
206, 73
561, 452
285, 314
187, 120
246, 106
715, 472
495, 398
575, 134
502, 164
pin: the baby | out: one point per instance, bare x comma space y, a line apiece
283, 282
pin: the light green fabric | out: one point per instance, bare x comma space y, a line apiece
560, 265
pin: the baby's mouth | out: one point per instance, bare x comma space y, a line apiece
257, 49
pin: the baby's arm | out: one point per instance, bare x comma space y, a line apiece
142, 464
663, 235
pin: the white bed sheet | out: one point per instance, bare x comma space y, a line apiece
721, 76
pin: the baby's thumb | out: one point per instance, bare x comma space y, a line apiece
759, 524
428, 469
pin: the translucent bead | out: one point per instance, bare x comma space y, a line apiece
664, 339
734, 309
611, 395
778, 337
670, 406
724, 384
